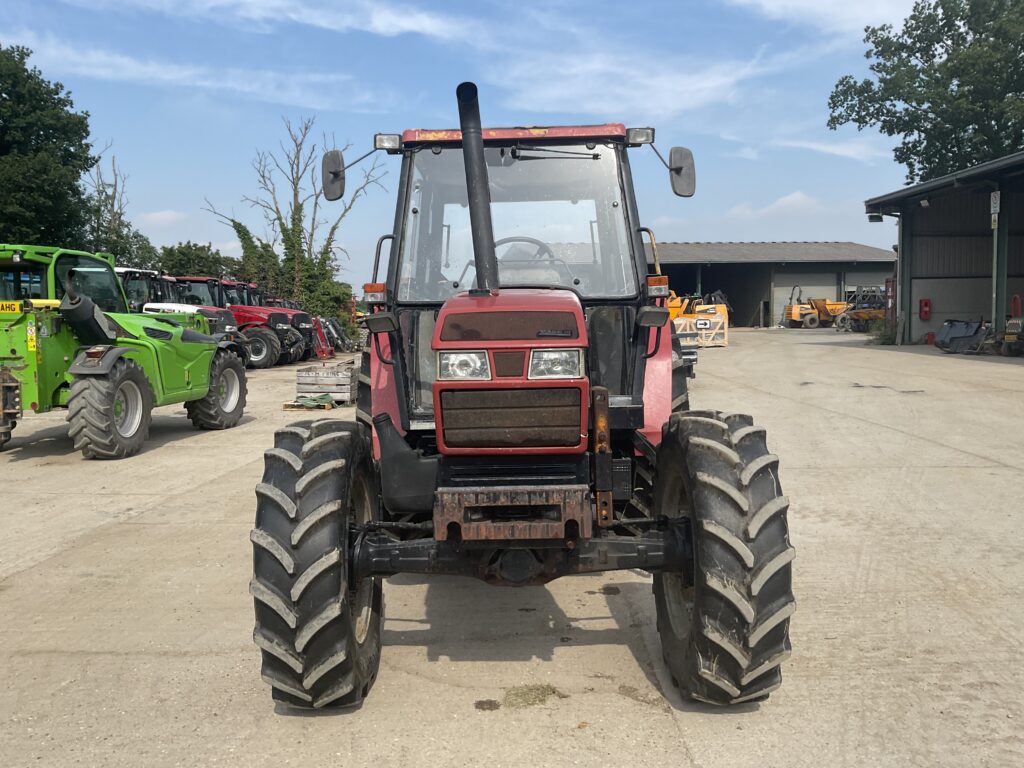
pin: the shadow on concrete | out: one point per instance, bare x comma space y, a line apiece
467, 620
53, 442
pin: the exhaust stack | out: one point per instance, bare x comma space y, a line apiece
477, 187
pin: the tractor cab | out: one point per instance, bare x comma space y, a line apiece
147, 286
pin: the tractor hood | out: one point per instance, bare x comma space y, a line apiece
550, 317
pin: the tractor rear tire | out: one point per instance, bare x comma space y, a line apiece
319, 635
109, 415
264, 347
224, 403
811, 321
724, 619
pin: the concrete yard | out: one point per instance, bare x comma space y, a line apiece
125, 620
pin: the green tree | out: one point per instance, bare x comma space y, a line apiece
300, 261
950, 84
44, 150
190, 258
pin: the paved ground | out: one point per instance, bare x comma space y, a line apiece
125, 620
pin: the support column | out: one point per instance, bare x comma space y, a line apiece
904, 272
1000, 248
700, 290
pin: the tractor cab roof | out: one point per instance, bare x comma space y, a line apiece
535, 134
45, 254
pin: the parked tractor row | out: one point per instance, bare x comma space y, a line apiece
110, 344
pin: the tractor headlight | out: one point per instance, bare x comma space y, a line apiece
305, 325
230, 328
282, 326
556, 364
459, 366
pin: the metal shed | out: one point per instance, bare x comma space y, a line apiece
759, 277
961, 245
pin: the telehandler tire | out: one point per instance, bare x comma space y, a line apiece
724, 620
319, 635
264, 347
109, 415
224, 404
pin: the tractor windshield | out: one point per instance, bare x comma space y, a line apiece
138, 289
558, 215
92, 278
236, 294
22, 280
199, 293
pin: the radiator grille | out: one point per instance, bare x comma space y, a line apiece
511, 418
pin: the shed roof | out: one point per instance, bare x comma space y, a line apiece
771, 253
993, 170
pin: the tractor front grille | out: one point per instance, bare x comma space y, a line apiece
511, 418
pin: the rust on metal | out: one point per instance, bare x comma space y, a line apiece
604, 131
513, 512
602, 458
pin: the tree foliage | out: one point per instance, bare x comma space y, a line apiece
299, 260
950, 83
190, 258
44, 150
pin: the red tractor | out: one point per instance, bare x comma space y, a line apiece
522, 415
273, 335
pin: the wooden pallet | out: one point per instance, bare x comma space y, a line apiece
335, 380
710, 325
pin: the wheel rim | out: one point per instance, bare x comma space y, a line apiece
679, 596
257, 350
361, 598
227, 389
127, 408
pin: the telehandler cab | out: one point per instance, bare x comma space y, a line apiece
67, 340
519, 418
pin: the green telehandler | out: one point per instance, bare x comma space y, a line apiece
67, 340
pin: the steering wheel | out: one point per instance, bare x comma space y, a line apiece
542, 247
193, 299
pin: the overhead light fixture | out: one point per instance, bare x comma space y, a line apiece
875, 218
924, 202
387, 141
637, 136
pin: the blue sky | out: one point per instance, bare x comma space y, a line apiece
186, 92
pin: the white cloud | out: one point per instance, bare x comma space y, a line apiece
229, 248
313, 90
863, 150
611, 83
746, 153
164, 218
378, 17
794, 204
836, 16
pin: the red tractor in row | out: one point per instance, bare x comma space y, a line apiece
273, 334
522, 415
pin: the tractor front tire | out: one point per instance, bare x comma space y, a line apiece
320, 635
724, 617
264, 347
224, 403
109, 415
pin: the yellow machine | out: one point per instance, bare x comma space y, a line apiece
708, 319
814, 313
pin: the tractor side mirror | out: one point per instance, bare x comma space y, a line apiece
681, 171
381, 322
652, 317
332, 174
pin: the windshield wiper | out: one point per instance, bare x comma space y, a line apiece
516, 150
